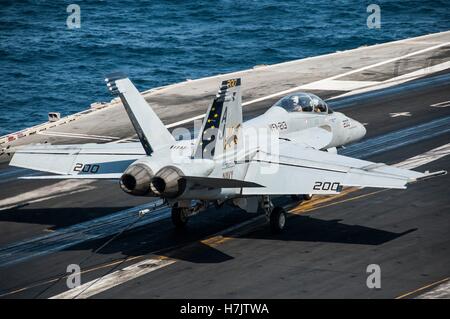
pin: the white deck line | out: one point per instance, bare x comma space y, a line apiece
50, 190
86, 137
399, 79
115, 278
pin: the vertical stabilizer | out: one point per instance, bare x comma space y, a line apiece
151, 131
221, 131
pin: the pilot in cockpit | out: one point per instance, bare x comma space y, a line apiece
306, 103
292, 104
296, 107
319, 106
302, 102
316, 105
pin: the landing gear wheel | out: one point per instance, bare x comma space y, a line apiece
307, 196
179, 217
277, 219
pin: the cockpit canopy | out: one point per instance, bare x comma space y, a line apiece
303, 102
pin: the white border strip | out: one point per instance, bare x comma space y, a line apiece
115, 278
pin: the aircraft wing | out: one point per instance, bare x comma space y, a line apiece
301, 170
98, 161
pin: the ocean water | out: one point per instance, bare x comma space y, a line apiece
46, 66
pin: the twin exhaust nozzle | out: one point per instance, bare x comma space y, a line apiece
168, 182
136, 180
139, 180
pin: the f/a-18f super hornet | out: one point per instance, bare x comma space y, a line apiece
288, 150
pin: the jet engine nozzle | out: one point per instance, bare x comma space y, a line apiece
168, 182
136, 180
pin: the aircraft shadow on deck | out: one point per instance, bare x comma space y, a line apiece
161, 238
187, 245
310, 229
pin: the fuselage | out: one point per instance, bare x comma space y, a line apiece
344, 130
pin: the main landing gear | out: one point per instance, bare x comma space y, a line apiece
181, 212
179, 216
276, 216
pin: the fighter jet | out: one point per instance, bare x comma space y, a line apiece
291, 149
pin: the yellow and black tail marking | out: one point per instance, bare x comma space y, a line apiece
215, 117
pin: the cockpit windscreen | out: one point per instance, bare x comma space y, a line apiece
303, 102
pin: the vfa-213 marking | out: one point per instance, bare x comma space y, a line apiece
279, 126
86, 168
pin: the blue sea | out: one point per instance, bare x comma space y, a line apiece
45, 66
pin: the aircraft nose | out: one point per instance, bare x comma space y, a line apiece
360, 131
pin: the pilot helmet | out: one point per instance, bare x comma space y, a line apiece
296, 103
315, 101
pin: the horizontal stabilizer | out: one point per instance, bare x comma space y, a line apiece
78, 159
